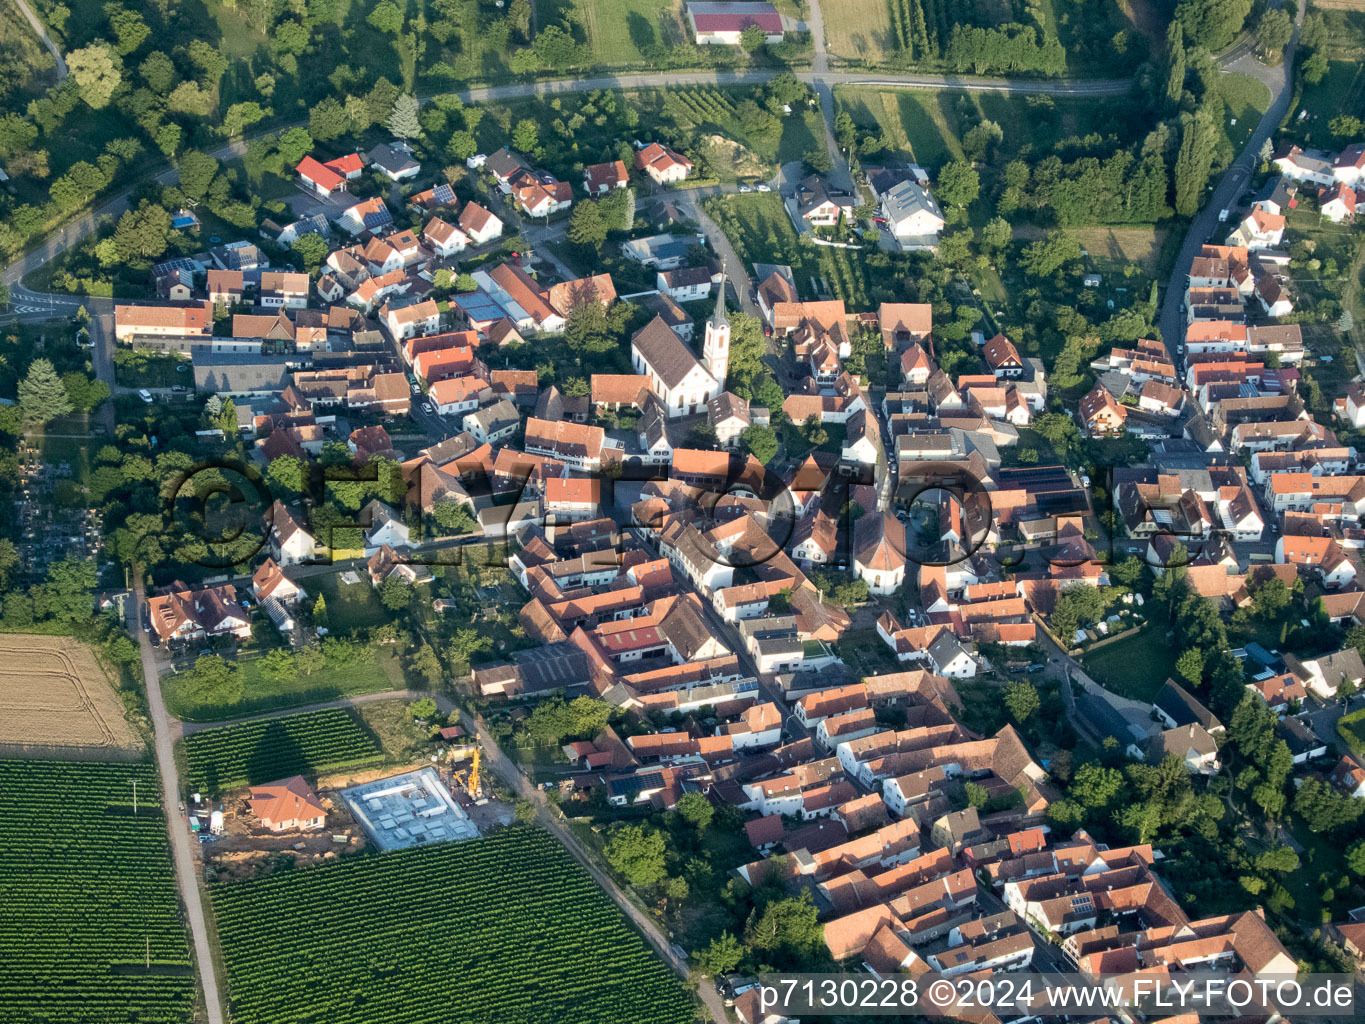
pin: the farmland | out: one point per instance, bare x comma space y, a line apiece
255, 752
91, 926
622, 33
54, 694
506, 928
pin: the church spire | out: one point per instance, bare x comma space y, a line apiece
718, 317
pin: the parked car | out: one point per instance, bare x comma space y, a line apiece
765, 188
145, 395
745, 188
427, 407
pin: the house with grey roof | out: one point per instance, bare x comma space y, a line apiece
913, 215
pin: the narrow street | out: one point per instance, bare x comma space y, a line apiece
182, 853
1205, 223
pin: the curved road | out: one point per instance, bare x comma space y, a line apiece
1279, 81
41, 30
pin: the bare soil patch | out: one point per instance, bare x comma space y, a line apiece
54, 694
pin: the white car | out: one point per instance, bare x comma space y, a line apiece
745, 188
426, 407
765, 188
145, 395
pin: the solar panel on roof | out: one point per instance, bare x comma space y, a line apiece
377, 217
443, 194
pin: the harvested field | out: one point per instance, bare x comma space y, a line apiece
54, 694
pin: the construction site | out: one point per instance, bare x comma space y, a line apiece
419, 807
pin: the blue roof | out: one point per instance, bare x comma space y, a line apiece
478, 305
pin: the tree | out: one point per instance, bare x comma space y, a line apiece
311, 659
752, 37
787, 930
129, 27
636, 853
278, 666
403, 121
1273, 33
1213, 24
981, 139
9, 558
1323, 808
526, 135
1190, 666
42, 395
395, 593
294, 145
462, 145
996, 235
1021, 698
426, 666
97, 73
760, 442
818, 160
721, 956
241, 116
197, 171
1194, 160
524, 811
85, 393
1355, 858
586, 226
468, 642
1315, 68
386, 17
423, 709
1346, 126
453, 516
958, 184
1050, 253
312, 249
1175, 64
327, 120
214, 681
696, 810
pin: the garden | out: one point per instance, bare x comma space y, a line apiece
507, 927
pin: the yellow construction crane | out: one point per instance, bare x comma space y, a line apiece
474, 775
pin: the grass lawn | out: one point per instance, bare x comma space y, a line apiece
860, 30
260, 694
1134, 667
866, 653
134, 369
1351, 728
1341, 91
761, 231
1246, 99
350, 607
621, 32
927, 125
59, 446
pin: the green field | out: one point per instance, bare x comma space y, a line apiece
262, 694
1134, 667
1246, 99
622, 33
255, 752
502, 930
90, 927
927, 125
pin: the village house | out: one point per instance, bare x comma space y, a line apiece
664, 165
287, 806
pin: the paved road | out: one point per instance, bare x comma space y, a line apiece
41, 30
186, 864
729, 259
1205, 222
840, 176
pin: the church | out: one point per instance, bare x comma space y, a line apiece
681, 381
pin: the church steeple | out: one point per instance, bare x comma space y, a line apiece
716, 348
